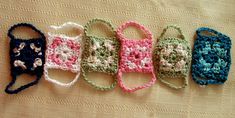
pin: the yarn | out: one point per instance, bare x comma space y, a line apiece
211, 58
173, 58
26, 56
64, 53
136, 56
100, 54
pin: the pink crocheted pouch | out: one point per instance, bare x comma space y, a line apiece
136, 56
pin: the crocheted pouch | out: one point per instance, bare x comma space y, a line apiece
26, 56
136, 56
211, 58
173, 58
64, 52
100, 54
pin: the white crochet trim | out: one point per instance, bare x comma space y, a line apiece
58, 82
67, 24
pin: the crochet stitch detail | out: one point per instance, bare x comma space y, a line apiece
173, 58
100, 54
135, 55
26, 56
211, 57
64, 52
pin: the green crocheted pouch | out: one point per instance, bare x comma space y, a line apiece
100, 54
172, 58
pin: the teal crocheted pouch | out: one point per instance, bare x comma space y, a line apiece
172, 58
211, 57
100, 54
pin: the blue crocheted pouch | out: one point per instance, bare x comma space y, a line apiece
26, 56
211, 57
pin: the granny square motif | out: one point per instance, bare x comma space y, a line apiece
103, 55
211, 58
136, 56
63, 53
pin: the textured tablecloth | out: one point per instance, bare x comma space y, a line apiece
49, 101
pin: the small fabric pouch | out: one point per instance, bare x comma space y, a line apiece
64, 53
26, 56
136, 55
100, 54
173, 58
211, 58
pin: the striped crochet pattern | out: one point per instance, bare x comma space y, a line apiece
64, 53
211, 58
135, 55
173, 58
100, 54
26, 56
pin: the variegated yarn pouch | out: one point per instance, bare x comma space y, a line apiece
27, 56
64, 53
100, 54
211, 58
136, 56
172, 58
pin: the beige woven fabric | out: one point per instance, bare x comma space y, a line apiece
49, 101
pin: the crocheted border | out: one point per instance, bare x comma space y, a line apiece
140, 49
183, 63
89, 40
211, 58
74, 42
38, 70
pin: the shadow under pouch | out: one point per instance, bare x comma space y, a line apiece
136, 56
101, 54
64, 53
211, 58
26, 56
172, 58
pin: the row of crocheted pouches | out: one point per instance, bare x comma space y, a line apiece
116, 55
